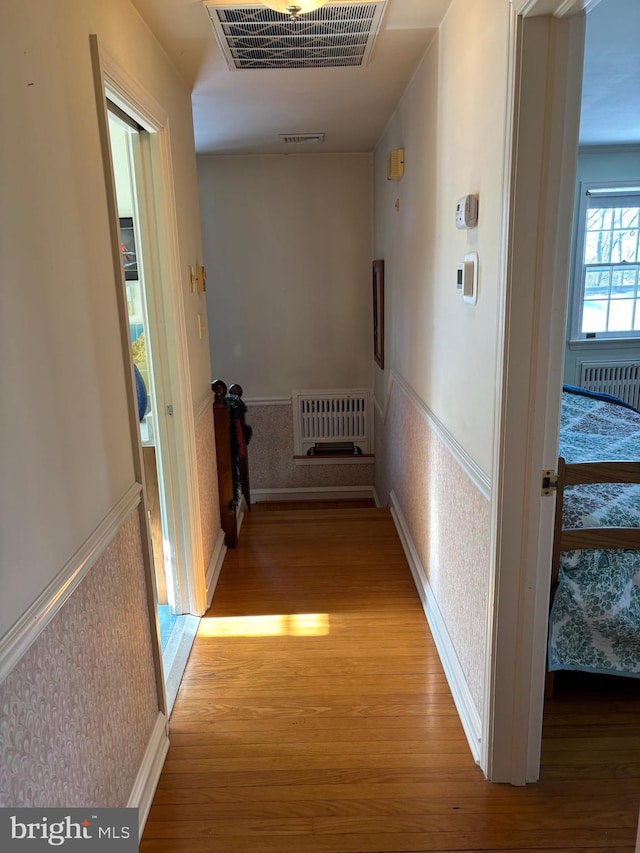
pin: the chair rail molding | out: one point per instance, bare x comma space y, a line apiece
17, 641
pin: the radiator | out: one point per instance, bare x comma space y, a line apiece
340, 415
620, 378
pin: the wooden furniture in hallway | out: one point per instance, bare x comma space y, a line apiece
314, 717
231, 456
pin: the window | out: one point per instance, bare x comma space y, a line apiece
607, 287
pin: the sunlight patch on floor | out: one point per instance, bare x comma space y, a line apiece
272, 625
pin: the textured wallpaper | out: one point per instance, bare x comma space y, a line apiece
449, 523
271, 464
77, 711
207, 483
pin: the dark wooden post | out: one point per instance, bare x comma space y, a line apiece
222, 426
244, 460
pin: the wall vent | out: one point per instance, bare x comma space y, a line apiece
332, 416
302, 138
620, 378
339, 34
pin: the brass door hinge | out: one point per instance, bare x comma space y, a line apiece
549, 481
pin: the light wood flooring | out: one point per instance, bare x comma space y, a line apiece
314, 717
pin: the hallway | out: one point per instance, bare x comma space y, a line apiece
314, 717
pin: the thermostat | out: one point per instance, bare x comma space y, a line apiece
467, 278
467, 212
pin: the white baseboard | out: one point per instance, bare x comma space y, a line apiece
215, 566
466, 707
376, 499
317, 493
146, 782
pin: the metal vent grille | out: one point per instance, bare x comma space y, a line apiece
340, 34
302, 138
341, 415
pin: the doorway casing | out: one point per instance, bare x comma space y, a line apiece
546, 59
175, 429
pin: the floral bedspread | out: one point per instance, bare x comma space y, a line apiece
595, 617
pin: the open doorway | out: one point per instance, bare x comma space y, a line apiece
547, 119
139, 251
595, 666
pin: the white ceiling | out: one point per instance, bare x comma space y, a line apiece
238, 112
611, 85
244, 111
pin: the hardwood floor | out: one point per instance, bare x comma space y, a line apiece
314, 717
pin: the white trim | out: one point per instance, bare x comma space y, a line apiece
317, 493
474, 472
205, 406
557, 8
376, 499
611, 148
177, 469
267, 401
531, 321
215, 566
366, 459
146, 782
17, 641
466, 707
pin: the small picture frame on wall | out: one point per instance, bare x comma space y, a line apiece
378, 313
128, 249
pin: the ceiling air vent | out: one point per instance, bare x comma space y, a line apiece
302, 138
336, 35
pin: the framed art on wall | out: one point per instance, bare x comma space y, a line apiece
128, 248
378, 312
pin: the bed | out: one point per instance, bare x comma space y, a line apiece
594, 623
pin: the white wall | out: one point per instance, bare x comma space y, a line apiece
287, 247
66, 454
66, 451
438, 389
598, 164
451, 124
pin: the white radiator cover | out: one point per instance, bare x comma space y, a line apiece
334, 415
620, 378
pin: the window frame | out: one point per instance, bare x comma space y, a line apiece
577, 336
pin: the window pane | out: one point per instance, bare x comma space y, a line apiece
596, 283
594, 315
623, 283
621, 315
599, 218
629, 240
626, 217
597, 247
624, 246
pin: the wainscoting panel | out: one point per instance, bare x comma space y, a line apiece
78, 710
271, 462
447, 518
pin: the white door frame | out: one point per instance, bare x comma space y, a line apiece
546, 52
175, 431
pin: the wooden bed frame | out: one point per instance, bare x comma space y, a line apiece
566, 539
